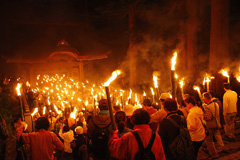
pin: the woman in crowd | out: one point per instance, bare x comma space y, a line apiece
126, 147
195, 123
121, 119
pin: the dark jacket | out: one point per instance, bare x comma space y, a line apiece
102, 120
168, 132
80, 148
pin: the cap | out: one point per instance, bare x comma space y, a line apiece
103, 104
79, 130
164, 96
128, 109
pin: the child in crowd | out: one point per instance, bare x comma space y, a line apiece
68, 136
79, 145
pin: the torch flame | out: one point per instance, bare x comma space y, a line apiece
86, 103
130, 94
121, 92
44, 110
207, 79
35, 111
27, 84
237, 75
114, 76
238, 78
18, 89
204, 81
224, 73
73, 114
56, 109
62, 105
136, 99
196, 88
152, 91
176, 76
144, 93
174, 61
181, 83
170, 95
155, 79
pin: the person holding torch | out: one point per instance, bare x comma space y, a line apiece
43, 143
99, 129
128, 146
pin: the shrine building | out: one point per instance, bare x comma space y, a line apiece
64, 59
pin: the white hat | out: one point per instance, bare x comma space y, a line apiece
79, 130
128, 109
165, 96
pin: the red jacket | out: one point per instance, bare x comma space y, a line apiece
43, 143
126, 147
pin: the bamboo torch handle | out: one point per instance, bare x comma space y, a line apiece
110, 108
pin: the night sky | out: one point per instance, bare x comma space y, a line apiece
32, 28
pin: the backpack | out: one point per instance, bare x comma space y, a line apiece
79, 147
100, 141
144, 153
181, 147
207, 113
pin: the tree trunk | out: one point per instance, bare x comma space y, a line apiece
219, 38
131, 51
192, 39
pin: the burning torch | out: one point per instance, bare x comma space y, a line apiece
121, 95
181, 82
199, 93
34, 112
238, 75
173, 74
106, 84
207, 80
18, 88
155, 80
225, 74
144, 95
152, 94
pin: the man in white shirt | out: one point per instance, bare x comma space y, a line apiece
230, 99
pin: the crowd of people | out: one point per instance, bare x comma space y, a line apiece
172, 132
